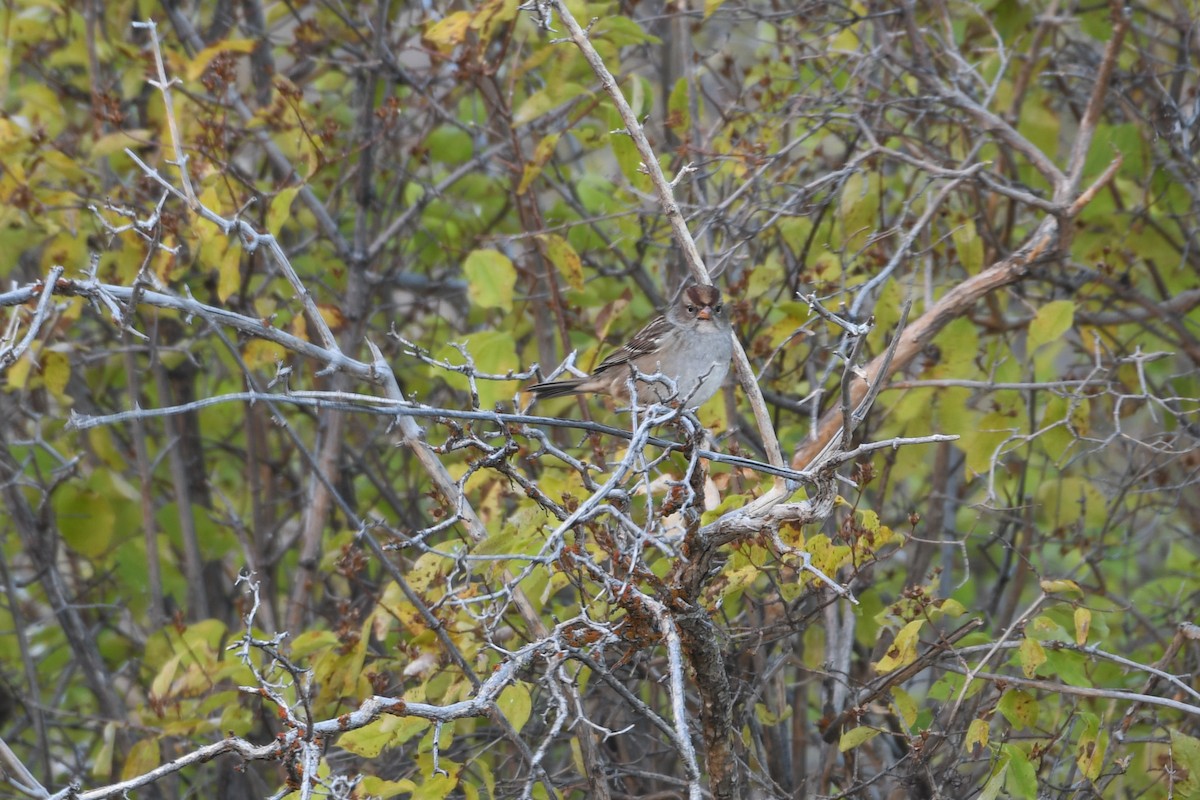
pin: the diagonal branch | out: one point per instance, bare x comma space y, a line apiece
683, 237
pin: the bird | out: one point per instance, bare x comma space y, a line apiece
691, 344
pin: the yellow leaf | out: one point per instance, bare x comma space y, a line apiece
492, 15
211, 200
229, 273
374, 786
564, 257
1063, 585
332, 315
447, 33
299, 328
541, 154
17, 376
544, 100
117, 142
1083, 624
1090, 753
903, 650
1032, 656
56, 371
261, 354
906, 706
73, 309
281, 209
103, 446
977, 734
162, 681
428, 567
200, 63
371, 739
845, 41
102, 760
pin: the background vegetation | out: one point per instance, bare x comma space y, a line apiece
274, 271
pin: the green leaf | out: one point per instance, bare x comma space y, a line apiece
968, 245
237, 719
991, 789
516, 705
374, 786
621, 31
1020, 708
493, 352
436, 785
1185, 750
596, 193
86, 519
1066, 501
982, 443
1074, 416
370, 740
856, 736
450, 145
491, 279
1069, 667
1051, 322
545, 100
1022, 777
143, 757
858, 209
679, 116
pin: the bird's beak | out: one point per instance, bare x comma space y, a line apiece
704, 313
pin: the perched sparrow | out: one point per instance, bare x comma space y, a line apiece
690, 344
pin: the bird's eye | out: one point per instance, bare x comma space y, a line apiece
691, 309
719, 307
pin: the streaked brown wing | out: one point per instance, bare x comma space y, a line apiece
643, 343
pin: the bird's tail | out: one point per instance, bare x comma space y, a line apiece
556, 388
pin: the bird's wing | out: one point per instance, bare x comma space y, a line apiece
643, 343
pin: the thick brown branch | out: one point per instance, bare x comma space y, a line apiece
919, 333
